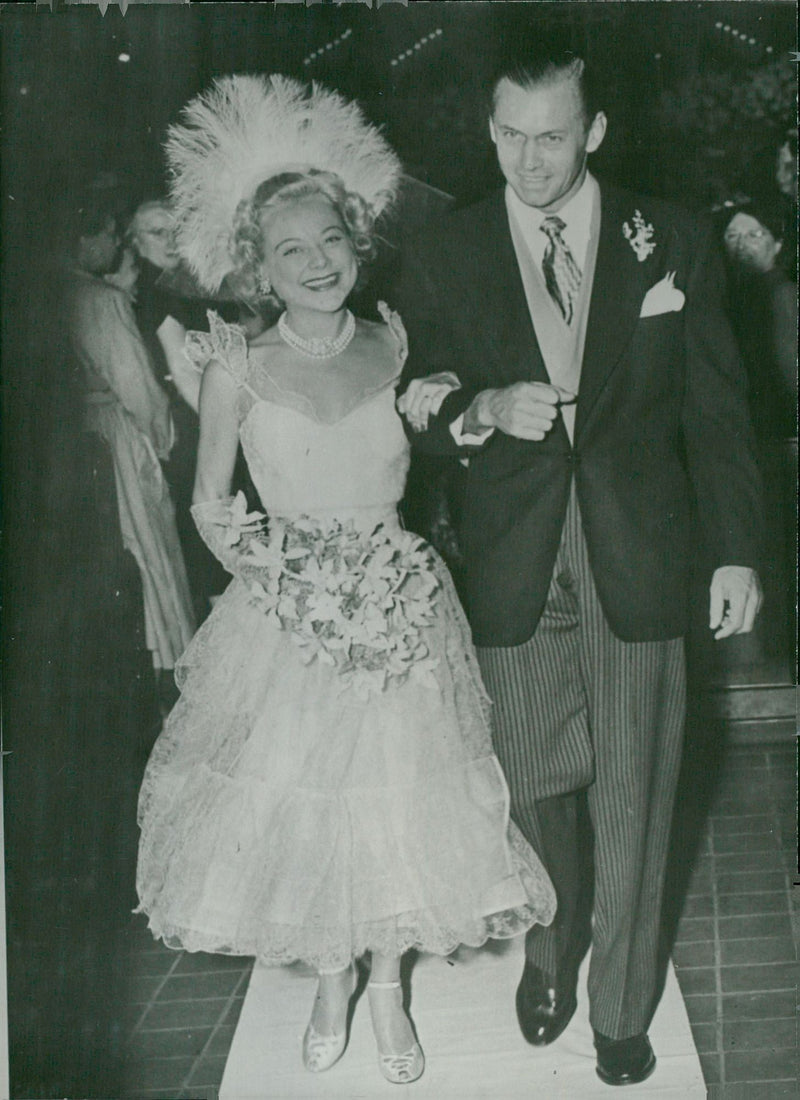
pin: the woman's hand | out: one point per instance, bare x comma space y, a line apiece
424, 398
163, 443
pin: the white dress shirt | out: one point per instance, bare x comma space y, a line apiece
577, 217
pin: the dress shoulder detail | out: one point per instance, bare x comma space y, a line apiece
224, 342
395, 325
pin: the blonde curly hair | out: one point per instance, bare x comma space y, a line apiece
247, 237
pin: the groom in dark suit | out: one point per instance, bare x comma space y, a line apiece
602, 407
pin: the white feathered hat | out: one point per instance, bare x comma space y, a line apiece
245, 129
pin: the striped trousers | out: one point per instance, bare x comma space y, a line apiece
579, 714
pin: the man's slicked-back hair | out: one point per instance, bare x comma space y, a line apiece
534, 68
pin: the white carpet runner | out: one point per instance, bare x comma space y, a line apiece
463, 1010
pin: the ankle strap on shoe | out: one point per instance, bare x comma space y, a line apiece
384, 985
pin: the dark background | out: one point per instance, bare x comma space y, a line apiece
696, 113
72, 106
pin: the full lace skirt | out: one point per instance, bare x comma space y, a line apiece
285, 818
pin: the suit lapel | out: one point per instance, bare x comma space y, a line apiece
619, 286
509, 330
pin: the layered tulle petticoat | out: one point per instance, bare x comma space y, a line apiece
285, 818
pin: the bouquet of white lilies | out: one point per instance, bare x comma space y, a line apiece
355, 600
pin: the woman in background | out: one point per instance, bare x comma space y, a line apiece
764, 313
167, 305
127, 408
764, 317
163, 318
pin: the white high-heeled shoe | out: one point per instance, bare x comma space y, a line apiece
400, 1069
320, 1052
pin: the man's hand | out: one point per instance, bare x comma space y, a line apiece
736, 597
424, 398
526, 410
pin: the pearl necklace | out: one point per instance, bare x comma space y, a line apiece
318, 347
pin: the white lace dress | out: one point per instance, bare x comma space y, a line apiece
286, 818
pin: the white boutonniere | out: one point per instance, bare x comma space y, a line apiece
663, 297
640, 237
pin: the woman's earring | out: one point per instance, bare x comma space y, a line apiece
264, 287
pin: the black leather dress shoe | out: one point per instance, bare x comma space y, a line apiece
624, 1061
543, 1010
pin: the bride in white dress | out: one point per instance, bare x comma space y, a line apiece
325, 786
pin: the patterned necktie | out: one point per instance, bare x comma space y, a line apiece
562, 275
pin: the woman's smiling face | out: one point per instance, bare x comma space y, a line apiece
308, 256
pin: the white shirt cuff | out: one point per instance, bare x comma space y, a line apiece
469, 439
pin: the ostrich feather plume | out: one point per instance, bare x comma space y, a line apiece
245, 129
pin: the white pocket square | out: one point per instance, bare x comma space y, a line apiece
664, 297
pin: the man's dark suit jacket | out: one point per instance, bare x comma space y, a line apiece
661, 426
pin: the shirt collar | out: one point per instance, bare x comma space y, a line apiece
576, 214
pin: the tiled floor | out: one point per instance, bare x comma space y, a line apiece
737, 943
182, 1016
735, 949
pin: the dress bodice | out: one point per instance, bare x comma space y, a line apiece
350, 467
301, 464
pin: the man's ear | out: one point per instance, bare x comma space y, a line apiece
492, 130
597, 131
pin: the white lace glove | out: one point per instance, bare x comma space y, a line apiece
228, 530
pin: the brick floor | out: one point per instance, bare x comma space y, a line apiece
736, 949
181, 1021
